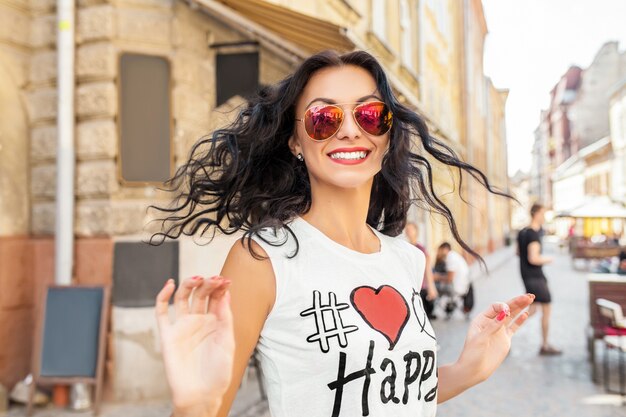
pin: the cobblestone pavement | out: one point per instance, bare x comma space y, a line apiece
526, 385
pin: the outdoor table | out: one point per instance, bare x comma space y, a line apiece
613, 288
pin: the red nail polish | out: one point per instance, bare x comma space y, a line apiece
501, 315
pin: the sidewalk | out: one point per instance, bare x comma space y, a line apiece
494, 261
525, 385
528, 384
247, 404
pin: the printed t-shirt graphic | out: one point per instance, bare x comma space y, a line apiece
384, 310
347, 336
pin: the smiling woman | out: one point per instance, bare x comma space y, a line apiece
247, 176
319, 174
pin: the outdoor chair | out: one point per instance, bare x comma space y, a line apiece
614, 330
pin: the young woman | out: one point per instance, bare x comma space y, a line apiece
319, 172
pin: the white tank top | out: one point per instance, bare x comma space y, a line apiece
347, 335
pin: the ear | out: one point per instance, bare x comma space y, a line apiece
294, 145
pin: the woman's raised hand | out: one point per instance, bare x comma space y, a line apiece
488, 339
198, 346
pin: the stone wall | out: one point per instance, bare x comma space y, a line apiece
105, 205
105, 30
106, 209
17, 254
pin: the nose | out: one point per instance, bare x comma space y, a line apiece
349, 129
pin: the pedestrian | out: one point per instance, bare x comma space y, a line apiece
456, 276
428, 291
531, 268
318, 172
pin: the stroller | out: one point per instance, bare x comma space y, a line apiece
449, 300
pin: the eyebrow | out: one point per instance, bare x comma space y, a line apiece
331, 101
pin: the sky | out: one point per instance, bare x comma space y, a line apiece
531, 43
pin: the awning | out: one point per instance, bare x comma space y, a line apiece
295, 36
307, 32
596, 208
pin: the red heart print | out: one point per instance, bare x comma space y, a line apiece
383, 309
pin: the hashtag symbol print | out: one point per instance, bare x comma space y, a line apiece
328, 321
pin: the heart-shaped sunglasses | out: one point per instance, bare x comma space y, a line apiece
321, 122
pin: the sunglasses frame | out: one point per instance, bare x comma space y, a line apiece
338, 105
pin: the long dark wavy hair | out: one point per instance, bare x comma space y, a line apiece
244, 177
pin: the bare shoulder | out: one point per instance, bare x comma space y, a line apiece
240, 252
249, 274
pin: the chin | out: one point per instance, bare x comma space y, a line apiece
349, 180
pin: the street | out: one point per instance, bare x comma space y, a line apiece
528, 384
525, 385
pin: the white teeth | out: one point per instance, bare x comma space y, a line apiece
349, 155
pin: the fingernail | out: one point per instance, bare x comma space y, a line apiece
531, 295
196, 278
166, 283
501, 315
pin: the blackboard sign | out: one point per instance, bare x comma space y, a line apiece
71, 330
69, 341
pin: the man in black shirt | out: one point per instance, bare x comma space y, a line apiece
531, 262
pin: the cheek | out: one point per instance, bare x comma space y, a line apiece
382, 144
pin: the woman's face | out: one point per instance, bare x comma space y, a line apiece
327, 161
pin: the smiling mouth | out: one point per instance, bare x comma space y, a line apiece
349, 156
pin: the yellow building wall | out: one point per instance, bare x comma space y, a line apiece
446, 78
499, 207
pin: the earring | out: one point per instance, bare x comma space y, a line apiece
300, 157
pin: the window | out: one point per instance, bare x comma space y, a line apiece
236, 74
407, 39
145, 118
379, 18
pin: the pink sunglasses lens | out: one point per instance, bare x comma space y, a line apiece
374, 118
321, 122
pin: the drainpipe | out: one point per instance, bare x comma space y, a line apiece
64, 225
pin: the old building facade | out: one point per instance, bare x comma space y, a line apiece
577, 117
432, 51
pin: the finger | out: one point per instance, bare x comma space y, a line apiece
518, 322
220, 306
162, 303
181, 297
200, 294
519, 303
496, 310
515, 305
219, 300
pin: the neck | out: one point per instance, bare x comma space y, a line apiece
535, 225
341, 214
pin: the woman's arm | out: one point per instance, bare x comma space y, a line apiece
206, 354
430, 280
453, 380
487, 343
196, 331
253, 291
